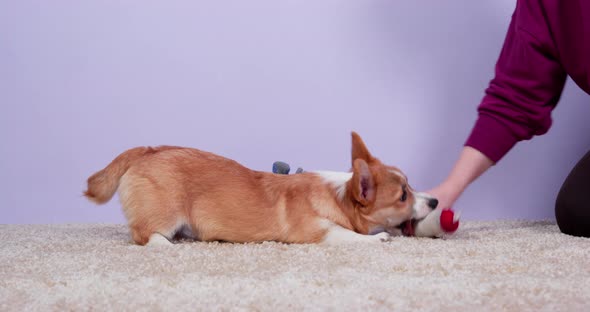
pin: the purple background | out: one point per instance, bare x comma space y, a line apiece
81, 81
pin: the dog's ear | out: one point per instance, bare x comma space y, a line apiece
359, 150
362, 183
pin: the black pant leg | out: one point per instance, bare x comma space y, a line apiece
572, 207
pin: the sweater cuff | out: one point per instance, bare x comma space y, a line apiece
491, 137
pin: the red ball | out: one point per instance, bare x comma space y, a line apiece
446, 221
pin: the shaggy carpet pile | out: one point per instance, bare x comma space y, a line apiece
485, 266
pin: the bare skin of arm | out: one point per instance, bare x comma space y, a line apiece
469, 166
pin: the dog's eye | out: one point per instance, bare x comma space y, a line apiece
404, 196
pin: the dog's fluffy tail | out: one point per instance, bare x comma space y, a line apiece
103, 184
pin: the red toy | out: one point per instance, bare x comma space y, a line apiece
437, 223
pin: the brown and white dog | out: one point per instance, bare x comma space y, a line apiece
168, 191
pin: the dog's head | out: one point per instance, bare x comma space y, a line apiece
382, 193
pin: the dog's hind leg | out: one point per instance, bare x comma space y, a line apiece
149, 214
158, 239
155, 229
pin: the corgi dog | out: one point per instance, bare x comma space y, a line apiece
168, 191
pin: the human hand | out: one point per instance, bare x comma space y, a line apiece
446, 194
470, 165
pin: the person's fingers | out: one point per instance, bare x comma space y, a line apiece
445, 197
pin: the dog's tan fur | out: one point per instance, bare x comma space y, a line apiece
163, 188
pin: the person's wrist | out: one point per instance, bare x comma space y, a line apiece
453, 189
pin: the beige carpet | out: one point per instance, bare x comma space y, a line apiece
486, 266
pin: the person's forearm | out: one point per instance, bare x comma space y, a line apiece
470, 165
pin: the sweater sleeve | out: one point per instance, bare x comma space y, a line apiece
527, 85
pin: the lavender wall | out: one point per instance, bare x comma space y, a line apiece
80, 81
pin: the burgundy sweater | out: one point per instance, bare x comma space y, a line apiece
547, 40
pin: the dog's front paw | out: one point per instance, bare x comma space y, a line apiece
383, 237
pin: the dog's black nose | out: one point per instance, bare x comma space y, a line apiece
432, 203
